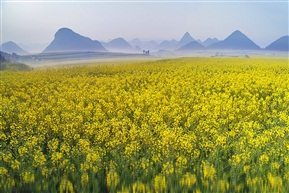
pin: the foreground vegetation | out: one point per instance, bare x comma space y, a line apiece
9, 62
9, 66
182, 125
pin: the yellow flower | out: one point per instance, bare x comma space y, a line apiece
188, 180
27, 177
65, 186
3, 171
264, 159
223, 185
275, 181
112, 180
209, 171
160, 183
139, 187
84, 178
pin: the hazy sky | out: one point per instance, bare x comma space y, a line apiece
35, 22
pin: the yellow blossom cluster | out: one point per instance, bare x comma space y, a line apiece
173, 125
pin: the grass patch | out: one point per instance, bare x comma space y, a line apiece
14, 67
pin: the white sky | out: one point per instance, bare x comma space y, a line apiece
36, 22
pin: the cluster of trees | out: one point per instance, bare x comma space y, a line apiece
9, 62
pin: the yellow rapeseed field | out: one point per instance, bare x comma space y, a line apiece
174, 125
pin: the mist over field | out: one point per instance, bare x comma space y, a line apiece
69, 46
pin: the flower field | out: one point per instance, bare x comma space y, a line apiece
173, 125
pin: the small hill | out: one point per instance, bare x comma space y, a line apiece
11, 47
280, 44
236, 41
136, 42
168, 45
187, 38
118, 45
209, 41
150, 45
194, 45
8, 66
66, 40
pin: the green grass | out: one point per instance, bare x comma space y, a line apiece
7, 66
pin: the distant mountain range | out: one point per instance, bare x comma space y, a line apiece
236, 41
194, 45
11, 47
187, 38
280, 44
145, 45
167, 45
66, 40
136, 42
209, 41
119, 45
